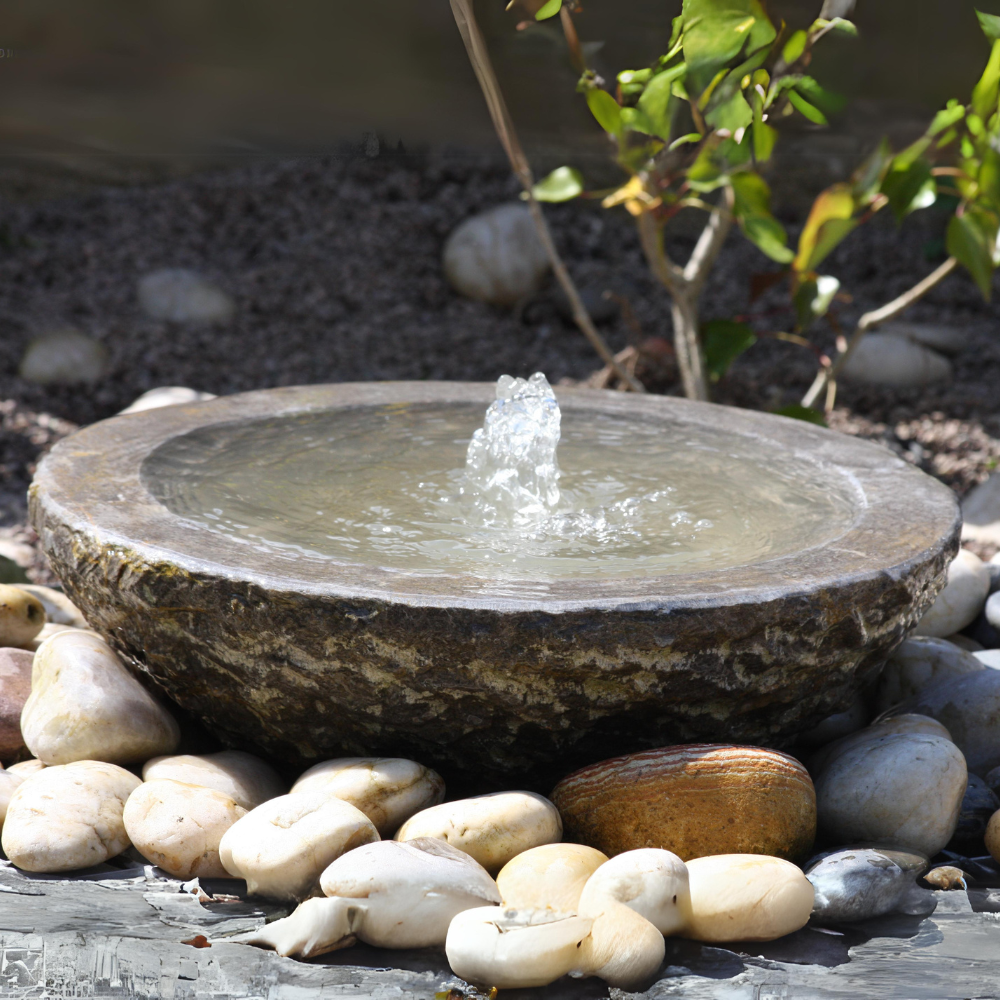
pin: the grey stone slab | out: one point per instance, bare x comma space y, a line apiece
124, 934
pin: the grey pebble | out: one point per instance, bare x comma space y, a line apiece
978, 805
860, 883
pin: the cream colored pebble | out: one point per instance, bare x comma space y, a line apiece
388, 790
283, 846
551, 876
244, 778
746, 897
68, 817
962, 598
491, 828
9, 780
84, 705
59, 609
178, 826
22, 616
993, 836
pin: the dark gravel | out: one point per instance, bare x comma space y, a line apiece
335, 267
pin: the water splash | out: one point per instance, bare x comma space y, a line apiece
511, 470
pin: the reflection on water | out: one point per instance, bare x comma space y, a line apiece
382, 485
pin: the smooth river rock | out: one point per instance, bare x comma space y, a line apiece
8, 782
838, 725
27, 767
548, 877
746, 897
908, 723
903, 788
178, 826
59, 609
887, 360
84, 705
242, 777
978, 804
178, 295
22, 616
388, 790
64, 357
68, 817
386, 894
919, 662
962, 598
283, 846
496, 256
992, 836
15, 686
693, 800
491, 828
937, 336
167, 395
970, 709
860, 883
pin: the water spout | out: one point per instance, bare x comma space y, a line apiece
510, 467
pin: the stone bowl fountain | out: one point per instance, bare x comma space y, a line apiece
295, 567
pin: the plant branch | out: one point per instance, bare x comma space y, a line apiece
881, 315
479, 56
572, 40
706, 250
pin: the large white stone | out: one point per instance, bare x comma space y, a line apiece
84, 705
981, 512
492, 828
166, 395
936, 336
245, 779
919, 662
8, 782
182, 296
68, 817
388, 790
283, 846
897, 362
496, 256
962, 598
548, 877
64, 357
746, 897
178, 826
903, 788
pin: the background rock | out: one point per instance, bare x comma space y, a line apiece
64, 357
178, 295
884, 359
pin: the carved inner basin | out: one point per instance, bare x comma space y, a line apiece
297, 568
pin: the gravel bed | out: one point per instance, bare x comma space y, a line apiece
335, 268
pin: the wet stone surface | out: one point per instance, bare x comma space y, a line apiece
116, 931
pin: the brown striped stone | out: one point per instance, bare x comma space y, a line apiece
694, 800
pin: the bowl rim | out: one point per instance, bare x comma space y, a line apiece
91, 483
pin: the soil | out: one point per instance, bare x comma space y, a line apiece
335, 267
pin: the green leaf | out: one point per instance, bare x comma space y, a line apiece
733, 114
632, 81
984, 95
969, 240
949, 115
724, 341
831, 219
764, 138
866, 181
752, 209
633, 120
805, 109
685, 139
907, 189
606, 110
798, 412
563, 184
826, 100
794, 47
716, 31
990, 24
549, 9
840, 24
989, 178
655, 99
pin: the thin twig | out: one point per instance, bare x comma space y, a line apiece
479, 56
709, 244
881, 315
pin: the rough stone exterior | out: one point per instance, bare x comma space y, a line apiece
486, 691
